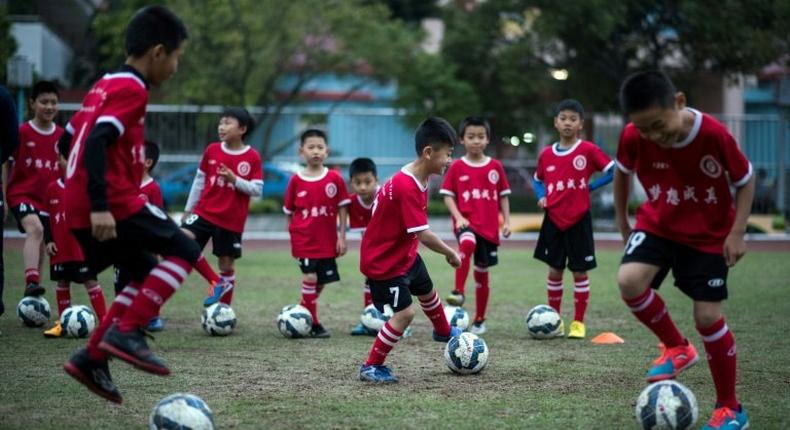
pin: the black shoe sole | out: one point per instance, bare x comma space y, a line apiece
77, 374
35, 292
134, 361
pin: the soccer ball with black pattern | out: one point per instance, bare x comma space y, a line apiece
78, 321
457, 317
373, 319
218, 319
181, 411
543, 322
33, 311
666, 405
294, 321
466, 354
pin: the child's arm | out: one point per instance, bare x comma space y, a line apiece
734, 246
622, 188
540, 192
608, 176
342, 215
432, 241
460, 221
194, 193
504, 206
49, 241
252, 188
101, 137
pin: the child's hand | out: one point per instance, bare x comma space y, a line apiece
461, 222
542, 203
103, 226
506, 230
453, 259
625, 230
341, 247
734, 248
226, 173
52, 249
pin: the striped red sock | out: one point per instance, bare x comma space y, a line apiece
722, 360
385, 341
554, 290
157, 288
435, 312
466, 245
117, 309
205, 270
310, 299
482, 291
581, 296
32, 275
229, 276
651, 310
63, 296
96, 296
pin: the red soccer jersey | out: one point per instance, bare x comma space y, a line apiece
359, 213
118, 99
688, 186
55, 206
313, 204
477, 188
566, 175
35, 164
389, 246
151, 193
220, 202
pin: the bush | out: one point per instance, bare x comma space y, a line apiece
779, 223
437, 207
268, 205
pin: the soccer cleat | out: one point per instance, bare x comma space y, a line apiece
454, 332
32, 289
156, 324
132, 348
406, 332
456, 298
377, 374
93, 374
478, 327
319, 331
216, 291
672, 361
725, 418
577, 330
55, 331
361, 330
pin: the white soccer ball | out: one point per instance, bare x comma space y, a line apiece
373, 319
33, 311
457, 317
295, 321
181, 411
78, 321
666, 405
543, 322
218, 319
466, 354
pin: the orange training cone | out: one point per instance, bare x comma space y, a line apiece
607, 338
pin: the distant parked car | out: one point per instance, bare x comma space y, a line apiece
176, 184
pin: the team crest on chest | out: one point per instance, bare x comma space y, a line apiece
244, 168
331, 190
580, 162
710, 166
493, 176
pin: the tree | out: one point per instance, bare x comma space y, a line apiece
7, 43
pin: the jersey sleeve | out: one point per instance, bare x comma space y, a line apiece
448, 185
343, 198
411, 208
627, 149
289, 198
203, 166
503, 186
600, 160
735, 162
124, 108
540, 171
257, 168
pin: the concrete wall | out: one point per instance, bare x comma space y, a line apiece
49, 55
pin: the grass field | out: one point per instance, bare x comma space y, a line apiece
258, 379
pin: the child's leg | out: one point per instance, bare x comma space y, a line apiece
721, 351
581, 295
63, 296
389, 335
96, 296
482, 291
634, 281
228, 275
554, 288
310, 295
206, 271
466, 245
31, 251
366, 297
433, 309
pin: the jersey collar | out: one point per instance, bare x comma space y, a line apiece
416, 181
362, 202
147, 181
229, 151
51, 130
564, 152
469, 163
127, 71
694, 129
313, 178
61, 184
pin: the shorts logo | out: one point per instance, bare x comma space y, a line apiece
301, 193
710, 166
463, 178
715, 283
191, 219
493, 176
331, 190
155, 211
551, 168
237, 245
580, 162
589, 258
244, 168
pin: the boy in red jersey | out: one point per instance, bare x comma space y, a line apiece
9, 140
389, 248
315, 199
35, 167
67, 263
365, 184
475, 189
562, 185
105, 212
149, 188
687, 161
230, 172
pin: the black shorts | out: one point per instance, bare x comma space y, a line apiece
325, 269
700, 275
139, 238
574, 245
485, 250
224, 243
71, 271
397, 292
22, 210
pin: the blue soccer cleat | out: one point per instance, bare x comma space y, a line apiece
156, 324
361, 330
672, 361
378, 374
216, 292
454, 332
725, 418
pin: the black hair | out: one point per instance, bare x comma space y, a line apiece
152, 153
151, 26
42, 87
361, 165
571, 105
646, 89
312, 132
242, 116
434, 132
478, 121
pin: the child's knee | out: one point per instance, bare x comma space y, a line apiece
632, 280
706, 313
226, 264
404, 317
33, 227
309, 277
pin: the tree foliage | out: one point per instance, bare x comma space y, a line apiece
7, 43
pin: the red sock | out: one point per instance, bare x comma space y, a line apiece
650, 309
435, 312
96, 296
32, 276
467, 243
554, 290
366, 297
63, 296
117, 310
581, 296
310, 299
228, 277
482, 291
206, 271
722, 358
385, 341
157, 288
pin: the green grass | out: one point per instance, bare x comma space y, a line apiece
258, 379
